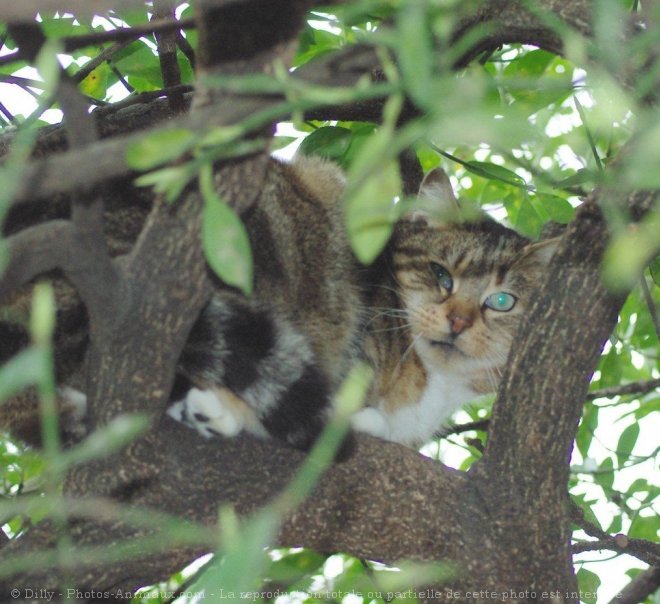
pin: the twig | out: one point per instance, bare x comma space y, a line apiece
633, 388
642, 586
640, 548
167, 47
650, 304
186, 48
102, 57
10, 117
125, 34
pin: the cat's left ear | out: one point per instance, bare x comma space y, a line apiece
540, 252
436, 201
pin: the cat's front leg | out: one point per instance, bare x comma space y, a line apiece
372, 421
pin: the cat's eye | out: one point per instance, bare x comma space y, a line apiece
501, 301
442, 276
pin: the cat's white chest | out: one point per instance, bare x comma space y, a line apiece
416, 423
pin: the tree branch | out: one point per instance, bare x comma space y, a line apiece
640, 548
640, 387
167, 49
644, 550
642, 586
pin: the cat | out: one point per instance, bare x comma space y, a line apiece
434, 316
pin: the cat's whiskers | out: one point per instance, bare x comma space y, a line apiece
404, 356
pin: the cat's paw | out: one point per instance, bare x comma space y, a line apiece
371, 421
74, 402
207, 412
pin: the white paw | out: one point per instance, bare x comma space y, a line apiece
371, 421
76, 401
208, 413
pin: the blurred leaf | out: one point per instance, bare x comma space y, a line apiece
586, 431
415, 52
645, 527
589, 583
605, 475
22, 370
120, 431
616, 525
96, 83
523, 215
552, 207
169, 181
371, 212
234, 576
294, 566
224, 238
627, 442
654, 267
582, 177
159, 147
630, 251
140, 66
494, 172
330, 141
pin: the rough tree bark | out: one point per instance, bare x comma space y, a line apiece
506, 522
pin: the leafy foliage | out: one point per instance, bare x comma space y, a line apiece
523, 134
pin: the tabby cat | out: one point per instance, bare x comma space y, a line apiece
435, 316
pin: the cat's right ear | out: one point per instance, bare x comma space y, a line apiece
436, 202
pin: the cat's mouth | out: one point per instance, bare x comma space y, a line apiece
445, 345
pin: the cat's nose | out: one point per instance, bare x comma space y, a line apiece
458, 322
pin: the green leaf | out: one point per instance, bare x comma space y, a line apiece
122, 430
21, 371
494, 172
140, 66
583, 176
645, 527
295, 566
169, 181
224, 239
371, 212
329, 141
605, 474
553, 207
234, 577
589, 583
627, 442
159, 148
654, 267
415, 52
531, 64
523, 215
586, 431
630, 251
96, 83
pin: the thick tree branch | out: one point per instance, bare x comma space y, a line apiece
358, 507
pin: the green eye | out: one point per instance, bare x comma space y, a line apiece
501, 301
442, 276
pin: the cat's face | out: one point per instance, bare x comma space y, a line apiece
465, 289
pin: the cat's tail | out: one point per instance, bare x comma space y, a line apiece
265, 362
